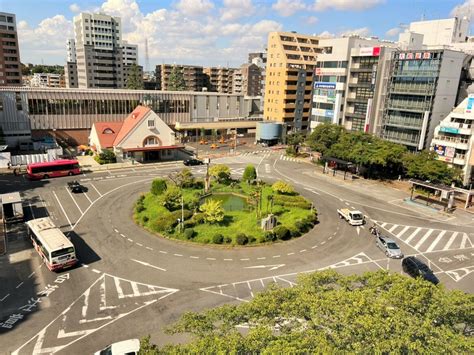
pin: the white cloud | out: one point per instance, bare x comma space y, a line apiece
74, 8
363, 32
311, 20
393, 32
345, 5
326, 34
194, 7
288, 7
234, 9
465, 9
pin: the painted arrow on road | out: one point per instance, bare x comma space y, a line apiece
147, 264
270, 267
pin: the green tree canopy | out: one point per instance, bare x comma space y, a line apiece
176, 80
220, 172
425, 166
329, 313
324, 136
282, 187
213, 211
158, 186
249, 173
134, 79
172, 199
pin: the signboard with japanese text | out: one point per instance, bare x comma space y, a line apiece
369, 52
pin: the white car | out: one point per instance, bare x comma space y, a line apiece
126, 347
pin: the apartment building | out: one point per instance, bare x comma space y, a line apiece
219, 79
291, 59
98, 43
453, 139
47, 80
237, 78
330, 78
252, 79
366, 82
193, 76
421, 90
10, 67
260, 60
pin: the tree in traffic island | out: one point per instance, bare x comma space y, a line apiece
220, 172
250, 174
326, 312
213, 211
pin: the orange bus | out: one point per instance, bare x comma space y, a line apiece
55, 168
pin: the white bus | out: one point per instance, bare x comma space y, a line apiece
54, 247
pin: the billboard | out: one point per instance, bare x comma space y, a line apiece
322, 112
324, 92
470, 104
444, 153
449, 130
324, 85
369, 52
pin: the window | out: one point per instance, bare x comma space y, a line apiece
151, 123
151, 141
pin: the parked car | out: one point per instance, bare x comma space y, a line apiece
389, 247
193, 161
75, 186
416, 268
126, 347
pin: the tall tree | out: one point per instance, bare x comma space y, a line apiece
176, 80
324, 136
134, 79
326, 312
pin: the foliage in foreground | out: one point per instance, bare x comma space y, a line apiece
331, 313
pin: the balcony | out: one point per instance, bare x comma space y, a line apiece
355, 115
412, 89
456, 142
360, 85
402, 140
416, 73
402, 121
456, 128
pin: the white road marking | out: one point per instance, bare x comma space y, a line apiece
262, 258
115, 230
87, 196
149, 248
270, 267
422, 240
276, 256
31, 210
302, 250
465, 239
194, 257
177, 254
436, 241
250, 288
98, 319
393, 228
96, 271
29, 276
290, 254
163, 252
118, 287
62, 209
402, 231
95, 188
450, 241
245, 259
19, 285
411, 236
130, 240
86, 302
4, 297
73, 200
228, 259
139, 244
210, 258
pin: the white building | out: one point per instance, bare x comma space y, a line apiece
130, 53
442, 32
46, 80
453, 139
71, 50
237, 82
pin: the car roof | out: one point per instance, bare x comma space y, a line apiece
126, 346
387, 239
418, 262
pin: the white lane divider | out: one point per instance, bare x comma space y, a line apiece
148, 264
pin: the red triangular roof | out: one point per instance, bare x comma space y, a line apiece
131, 122
107, 139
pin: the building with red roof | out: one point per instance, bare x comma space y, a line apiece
142, 136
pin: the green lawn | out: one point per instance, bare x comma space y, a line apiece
157, 219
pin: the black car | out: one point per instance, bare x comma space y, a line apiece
75, 186
193, 161
416, 268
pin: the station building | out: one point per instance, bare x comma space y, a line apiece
68, 114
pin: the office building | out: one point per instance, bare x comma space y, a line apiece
291, 59
330, 79
70, 113
453, 139
421, 91
129, 53
442, 32
194, 76
98, 44
366, 82
10, 67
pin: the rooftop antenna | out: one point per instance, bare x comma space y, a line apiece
147, 58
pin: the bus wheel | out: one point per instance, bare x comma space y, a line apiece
70, 173
46, 176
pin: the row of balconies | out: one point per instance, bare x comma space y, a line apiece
402, 121
409, 105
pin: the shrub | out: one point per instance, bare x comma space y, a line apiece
179, 214
139, 206
269, 236
218, 239
241, 239
220, 172
106, 157
198, 218
145, 219
189, 233
252, 239
282, 187
301, 226
162, 224
291, 151
213, 211
291, 201
172, 199
249, 173
158, 186
294, 232
281, 232
227, 239
205, 240
189, 223
198, 184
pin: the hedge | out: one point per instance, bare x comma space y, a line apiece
291, 201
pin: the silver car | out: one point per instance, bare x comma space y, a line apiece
389, 247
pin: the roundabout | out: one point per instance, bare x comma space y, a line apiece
132, 283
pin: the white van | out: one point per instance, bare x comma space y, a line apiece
126, 347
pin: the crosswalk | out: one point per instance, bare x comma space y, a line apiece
254, 152
426, 240
286, 158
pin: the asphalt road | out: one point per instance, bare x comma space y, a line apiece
130, 283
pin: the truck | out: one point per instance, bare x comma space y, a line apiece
354, 217
11, 210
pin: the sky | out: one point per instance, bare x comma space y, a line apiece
215, 32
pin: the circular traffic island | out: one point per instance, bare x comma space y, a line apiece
228, 212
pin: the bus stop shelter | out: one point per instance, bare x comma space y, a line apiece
442, 193
334, 164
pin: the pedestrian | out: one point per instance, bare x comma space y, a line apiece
399, 177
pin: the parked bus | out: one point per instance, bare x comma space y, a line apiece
53, 169
53, 246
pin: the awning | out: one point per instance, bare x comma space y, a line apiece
152, 148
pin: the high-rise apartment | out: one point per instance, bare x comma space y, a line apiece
291, 59
251, 80
10, 67
193, 76
99, 51
421, 91
237, 78
260, 60
219, 79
